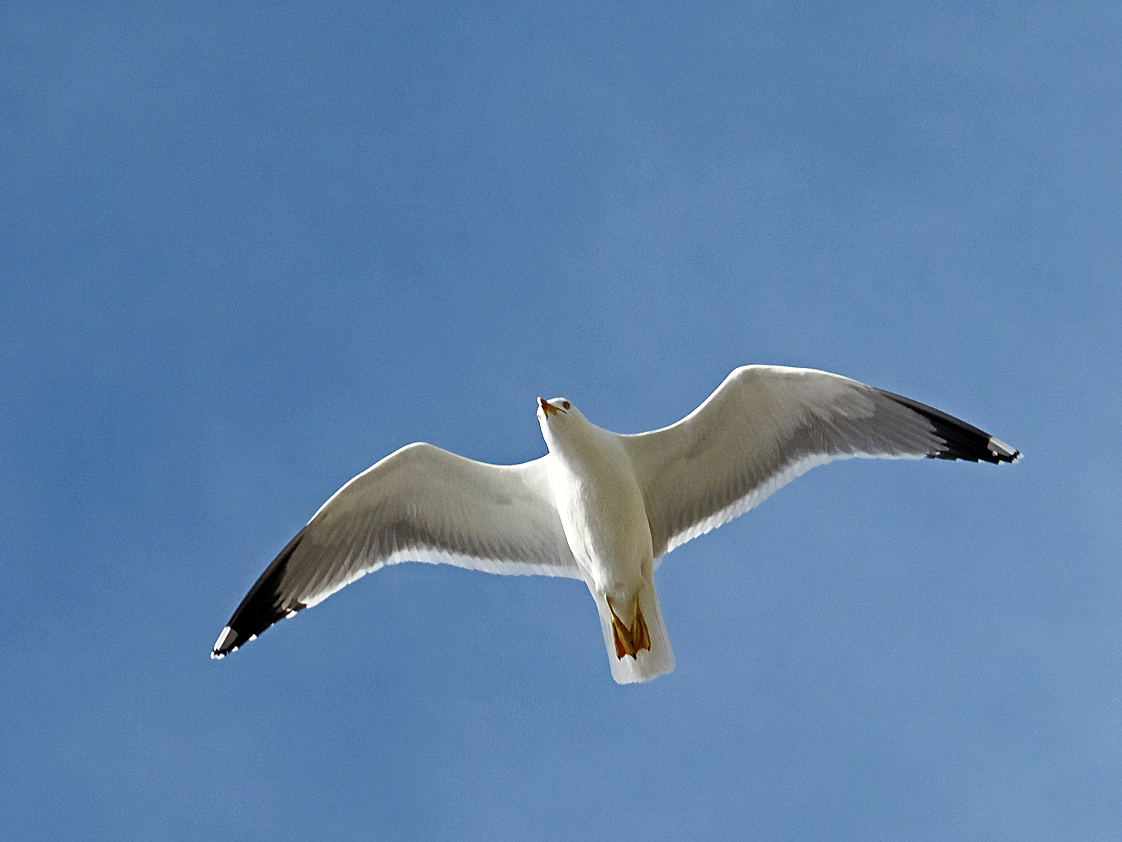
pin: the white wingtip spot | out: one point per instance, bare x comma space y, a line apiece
218, 644
1002, 449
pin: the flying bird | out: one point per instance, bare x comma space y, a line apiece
599, 506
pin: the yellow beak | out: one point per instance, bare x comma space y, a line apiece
547, 408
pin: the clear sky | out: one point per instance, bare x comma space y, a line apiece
248, 249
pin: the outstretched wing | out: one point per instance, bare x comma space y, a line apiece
766, 425
418, 504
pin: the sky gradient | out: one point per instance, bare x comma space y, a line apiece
248, 250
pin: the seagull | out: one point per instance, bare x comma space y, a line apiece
600, 506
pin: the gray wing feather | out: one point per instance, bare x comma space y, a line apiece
766, 425
418, 504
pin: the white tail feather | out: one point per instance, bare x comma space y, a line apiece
647, 663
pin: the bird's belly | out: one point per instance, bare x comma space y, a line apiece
608, 533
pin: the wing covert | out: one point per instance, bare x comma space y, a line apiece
418, 504
766, 425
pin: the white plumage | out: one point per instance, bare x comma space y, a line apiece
599, 506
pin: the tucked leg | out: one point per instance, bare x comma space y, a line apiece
633, 639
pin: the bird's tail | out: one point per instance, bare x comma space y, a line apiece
635, 635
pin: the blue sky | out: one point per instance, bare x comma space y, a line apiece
247, 250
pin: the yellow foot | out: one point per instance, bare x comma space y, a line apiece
629, 641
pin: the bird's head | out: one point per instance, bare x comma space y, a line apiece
558, 418
549, 408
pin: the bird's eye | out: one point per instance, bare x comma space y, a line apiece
566, 405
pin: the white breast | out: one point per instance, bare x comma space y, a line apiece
600, 506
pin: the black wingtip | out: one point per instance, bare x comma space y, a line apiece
262, 606
961, 440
